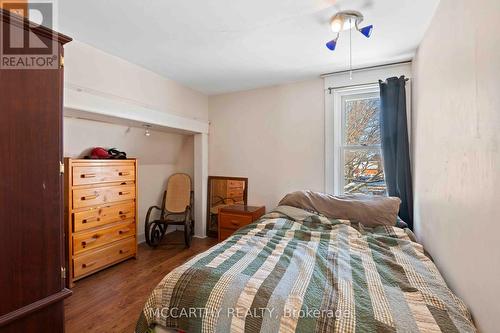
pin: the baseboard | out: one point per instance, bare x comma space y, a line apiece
141, 238
201, 237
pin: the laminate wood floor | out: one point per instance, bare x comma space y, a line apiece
111, 300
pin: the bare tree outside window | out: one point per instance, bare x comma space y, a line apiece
363, 167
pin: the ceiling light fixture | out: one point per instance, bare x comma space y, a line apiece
147, 132
347, 20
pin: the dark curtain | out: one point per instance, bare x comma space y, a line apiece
395, 146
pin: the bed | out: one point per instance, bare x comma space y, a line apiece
297, 271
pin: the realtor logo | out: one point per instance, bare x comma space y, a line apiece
21, 47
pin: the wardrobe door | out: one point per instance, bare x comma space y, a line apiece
32, 286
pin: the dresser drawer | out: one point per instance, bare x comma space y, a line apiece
102, 195
235, 184
86, 175
225, 233
85, 241
94, 260
233, 221
95, 217
236, 195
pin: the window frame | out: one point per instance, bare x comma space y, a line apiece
335, 134
343, 145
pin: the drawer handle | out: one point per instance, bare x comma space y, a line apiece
235, 223
87, 175
123, 173
89, 197
124, 212
124, 251
90, 240
123, 231
92, 219
124, 193
92, 263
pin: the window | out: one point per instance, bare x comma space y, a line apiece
361, 151
358, 165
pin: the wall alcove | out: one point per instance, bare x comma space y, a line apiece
176, 144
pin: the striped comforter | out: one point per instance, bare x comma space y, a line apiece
293, 271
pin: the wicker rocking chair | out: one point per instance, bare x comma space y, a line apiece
176, 209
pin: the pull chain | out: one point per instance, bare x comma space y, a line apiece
350, 49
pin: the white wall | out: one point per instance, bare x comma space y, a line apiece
159, 155
274, 136
456, 131
93, 69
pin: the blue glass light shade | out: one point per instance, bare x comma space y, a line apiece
367, 31
332, 44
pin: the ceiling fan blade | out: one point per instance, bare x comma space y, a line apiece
325, 10
367, 5
358, 5
328, 8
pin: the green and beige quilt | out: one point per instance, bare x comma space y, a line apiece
294, 271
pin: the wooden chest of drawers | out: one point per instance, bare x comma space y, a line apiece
101, 206
231, 218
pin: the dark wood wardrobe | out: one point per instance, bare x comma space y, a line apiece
32, 256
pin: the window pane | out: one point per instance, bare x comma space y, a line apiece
361, 119
363, 172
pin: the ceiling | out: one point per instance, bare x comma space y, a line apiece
217, 46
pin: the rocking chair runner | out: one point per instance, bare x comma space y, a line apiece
176, 209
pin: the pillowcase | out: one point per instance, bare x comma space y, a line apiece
368, 210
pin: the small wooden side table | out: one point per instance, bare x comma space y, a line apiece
232, 218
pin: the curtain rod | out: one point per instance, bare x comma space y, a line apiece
366, 68
330, 89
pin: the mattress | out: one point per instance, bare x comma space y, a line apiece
295, 271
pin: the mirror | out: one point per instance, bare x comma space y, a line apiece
222, 192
